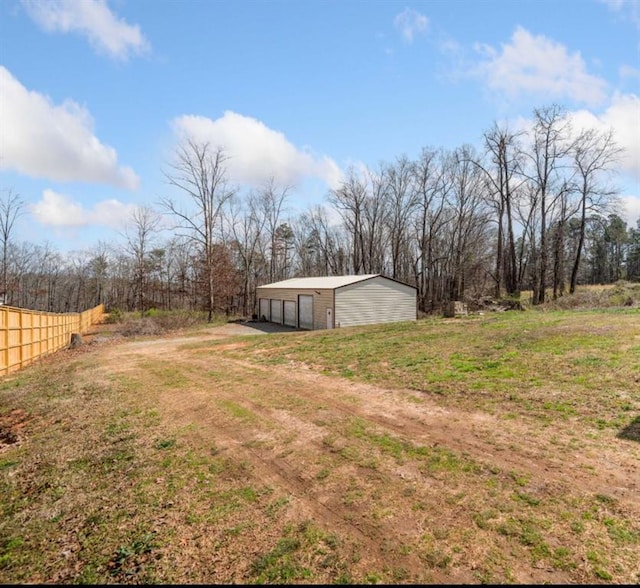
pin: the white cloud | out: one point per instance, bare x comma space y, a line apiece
628, 72
631, 210
629, 9
58, 210
91, 18
111, 213
623, 116
40, 139
410, 23
255, 151
539, 66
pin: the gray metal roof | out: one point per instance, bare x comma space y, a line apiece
320, 283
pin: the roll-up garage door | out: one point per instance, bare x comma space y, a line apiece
290, 313
276, 311
305, 311
264, 308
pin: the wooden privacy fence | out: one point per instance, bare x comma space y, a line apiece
26, 335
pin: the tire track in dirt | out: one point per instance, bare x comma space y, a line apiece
325, 507
479, 435
353, 522
434, 426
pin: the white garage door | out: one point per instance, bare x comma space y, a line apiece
305, 311
276, 311
290, 313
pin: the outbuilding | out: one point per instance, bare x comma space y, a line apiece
337, 301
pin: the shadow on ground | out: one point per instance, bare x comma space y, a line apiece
265, 327
631, 431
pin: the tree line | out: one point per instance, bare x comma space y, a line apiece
531, 210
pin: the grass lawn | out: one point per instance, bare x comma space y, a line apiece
502, 448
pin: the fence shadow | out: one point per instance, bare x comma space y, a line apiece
632, 431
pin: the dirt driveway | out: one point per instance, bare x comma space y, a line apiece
339, 453
192, 459
477, 433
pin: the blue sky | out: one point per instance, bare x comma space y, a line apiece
95, 94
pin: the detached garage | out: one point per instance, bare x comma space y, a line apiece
337, 301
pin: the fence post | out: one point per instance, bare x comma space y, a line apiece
5, 325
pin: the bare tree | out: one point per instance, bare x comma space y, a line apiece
374, 230
200, 172
469, 220
40, 282
362, 202
180, 267
143, 224
501, 148
550, 147
594, 153
433, 185
402, 198
11, 206
525, 213
247, 226
99, 268
21, 262
327, 244
566, 208
272, 204
350, 201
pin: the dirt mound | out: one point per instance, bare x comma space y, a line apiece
12, 427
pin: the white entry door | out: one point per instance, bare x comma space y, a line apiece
329, 318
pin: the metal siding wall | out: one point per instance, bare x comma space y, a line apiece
322, 299
377, 300
280, 294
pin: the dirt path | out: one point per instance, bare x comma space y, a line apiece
483, 436
296, 420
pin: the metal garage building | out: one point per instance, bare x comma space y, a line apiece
337, 301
